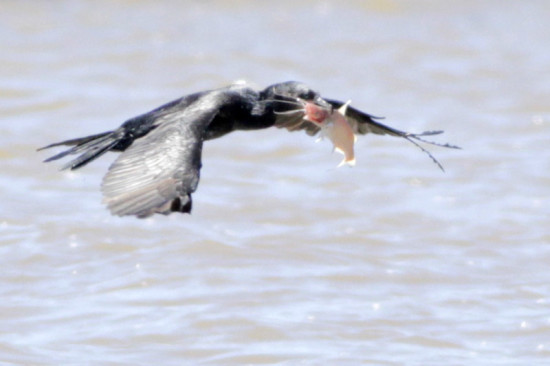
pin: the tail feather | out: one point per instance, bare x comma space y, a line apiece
89, 148
77, 141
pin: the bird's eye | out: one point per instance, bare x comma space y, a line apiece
310, 95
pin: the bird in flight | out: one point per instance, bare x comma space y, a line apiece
160, 163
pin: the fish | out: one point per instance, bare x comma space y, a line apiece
335, 126
340, 133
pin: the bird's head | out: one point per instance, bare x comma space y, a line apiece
293, 95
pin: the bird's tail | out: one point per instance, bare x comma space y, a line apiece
89, 147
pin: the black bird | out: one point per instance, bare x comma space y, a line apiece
161, 160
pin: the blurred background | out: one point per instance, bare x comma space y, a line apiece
286, 259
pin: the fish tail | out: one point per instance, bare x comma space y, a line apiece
350, 162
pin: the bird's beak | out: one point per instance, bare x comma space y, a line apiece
323, 104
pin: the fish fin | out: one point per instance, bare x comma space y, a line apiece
349, 163
344, 107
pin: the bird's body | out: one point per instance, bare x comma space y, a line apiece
161, 160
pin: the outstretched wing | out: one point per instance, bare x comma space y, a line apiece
159, 171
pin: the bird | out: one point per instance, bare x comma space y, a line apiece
160, 161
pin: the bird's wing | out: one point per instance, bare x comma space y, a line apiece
160, 170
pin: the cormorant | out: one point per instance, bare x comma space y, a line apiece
161, 160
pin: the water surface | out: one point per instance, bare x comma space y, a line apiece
286, 259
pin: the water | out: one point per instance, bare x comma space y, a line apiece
286, 259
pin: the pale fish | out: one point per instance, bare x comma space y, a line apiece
340, 133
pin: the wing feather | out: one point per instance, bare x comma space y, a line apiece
159, 171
